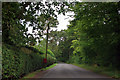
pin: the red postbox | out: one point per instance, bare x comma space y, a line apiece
45, 60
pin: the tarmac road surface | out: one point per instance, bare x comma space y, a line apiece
69, 71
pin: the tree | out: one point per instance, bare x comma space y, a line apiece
14, 22
96, 27
59, 43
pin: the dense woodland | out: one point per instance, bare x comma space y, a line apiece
92, 37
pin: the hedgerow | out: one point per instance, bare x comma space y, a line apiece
17, 63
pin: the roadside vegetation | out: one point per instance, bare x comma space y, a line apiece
19, 61
31, 75
23, 51
92, 37
101, 70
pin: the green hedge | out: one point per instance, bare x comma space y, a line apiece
17, 63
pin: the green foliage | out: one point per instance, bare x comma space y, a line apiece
59, 43
17, 63
92, 37
101, 70
51, 53
42, 48
96, 34
38, 71
17, 18
34, 49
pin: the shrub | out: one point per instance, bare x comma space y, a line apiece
17, 63
51, 53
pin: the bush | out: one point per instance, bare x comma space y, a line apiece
51, 53
17, 63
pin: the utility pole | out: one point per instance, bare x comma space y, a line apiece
47, 41
45, 59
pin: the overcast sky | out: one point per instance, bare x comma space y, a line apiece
63, 21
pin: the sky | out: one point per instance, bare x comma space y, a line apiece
63, 21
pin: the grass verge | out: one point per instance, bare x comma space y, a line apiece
30, 75
101, 70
